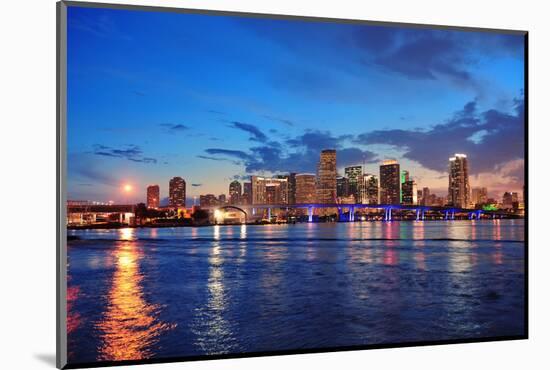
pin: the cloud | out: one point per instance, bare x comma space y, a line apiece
83, 166
280, 120
131, 152
256, 134
196, 185
299, 154
424, 54
499, 138
174, 127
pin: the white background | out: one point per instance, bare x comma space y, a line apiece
27, 121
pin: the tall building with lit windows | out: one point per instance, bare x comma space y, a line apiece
235, 190
326, 177
153, 196
409, 192
390, 182
176, 192
305, 188
269, 190
479, 196
342, 187
369, 189
247, 193
354, 174
459, 183
257, 184
292, 188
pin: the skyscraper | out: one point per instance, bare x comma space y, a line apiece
355, 178
278, 190
176, 193
409, 192
369, 192
342, 187
326, 177
292, 188
235, 190
459, 183
390, 182
305, 188
479, 196
509, 199
426, 197
258, 189
153, 196
404, 178
247, 193
222, 199
208, 200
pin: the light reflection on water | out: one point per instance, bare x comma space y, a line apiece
130, 326
209, 324
225, 289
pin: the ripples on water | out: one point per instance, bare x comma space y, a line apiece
142, 293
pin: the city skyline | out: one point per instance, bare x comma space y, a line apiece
271, 111
392, 185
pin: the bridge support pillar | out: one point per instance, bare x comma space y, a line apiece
478, 215
253, 211
423, 214
351, 214
269, 214
453, 214
388, 214
446, 215
417, 214
310, 214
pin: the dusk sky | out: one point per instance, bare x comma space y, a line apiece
154, 95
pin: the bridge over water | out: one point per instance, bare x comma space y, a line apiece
447, 211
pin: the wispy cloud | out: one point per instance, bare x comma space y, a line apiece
255, 133
174, 127
131, 152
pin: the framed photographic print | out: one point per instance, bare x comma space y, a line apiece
234, 184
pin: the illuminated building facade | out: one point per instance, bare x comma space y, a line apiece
459, 183
292, 188
479, 196
176, 192
326, 177
409, 192
247, 193
342, 187
269, 190
426, 197
305, 188
235, 192
390, 182
153, 196
208, 200
369, 189
354, 175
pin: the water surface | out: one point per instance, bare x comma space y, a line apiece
143, 293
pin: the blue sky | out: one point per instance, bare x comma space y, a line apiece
153, 95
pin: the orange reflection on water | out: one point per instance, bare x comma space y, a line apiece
73, 318
129, 326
